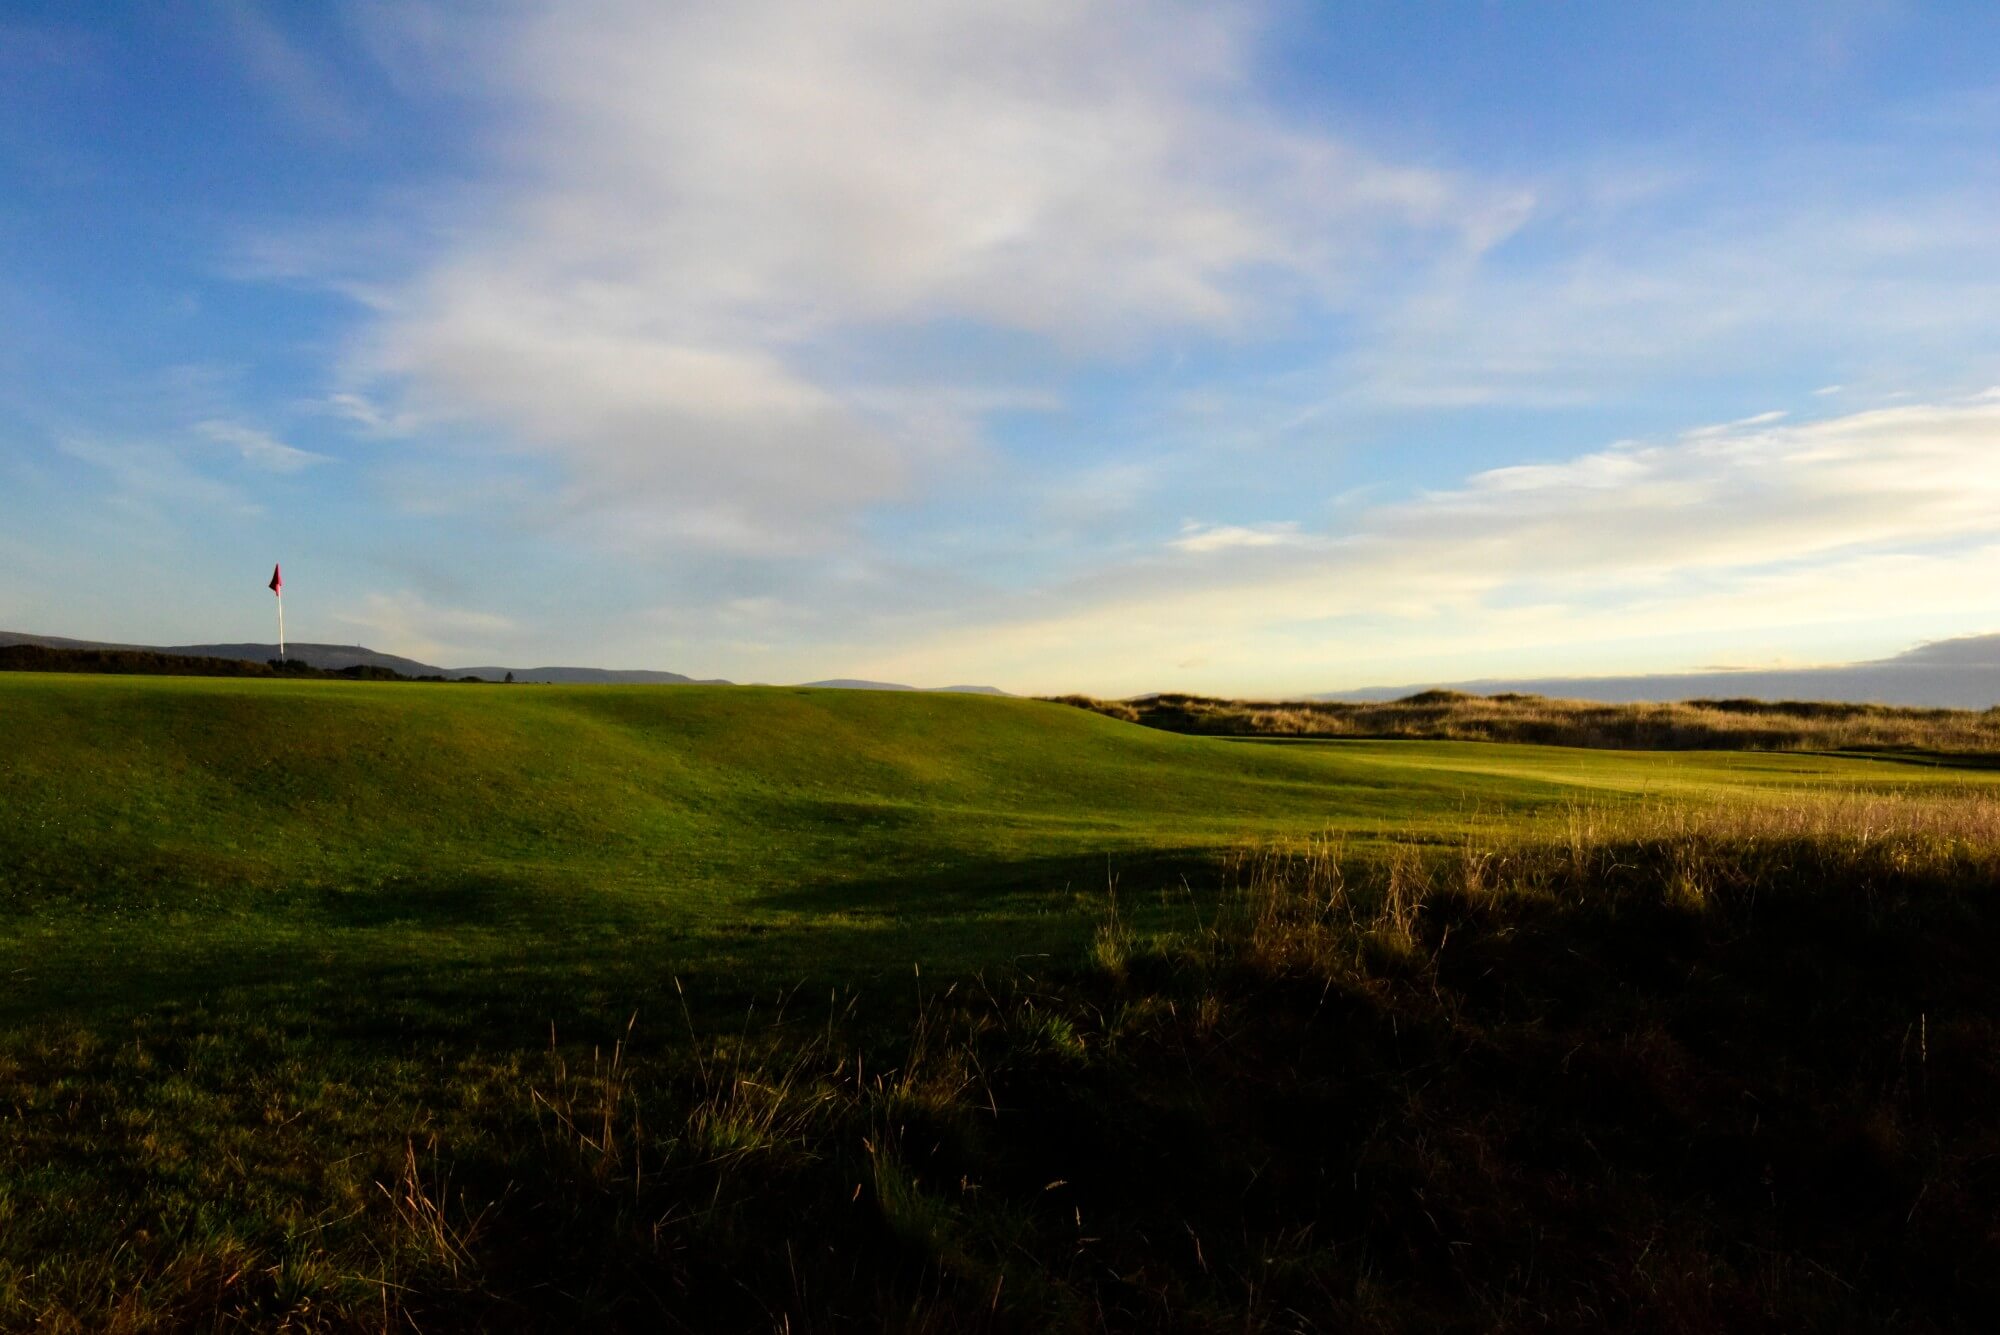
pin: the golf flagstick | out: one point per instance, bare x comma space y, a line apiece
277, 586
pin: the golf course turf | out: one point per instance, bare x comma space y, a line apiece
766, 834
253, 926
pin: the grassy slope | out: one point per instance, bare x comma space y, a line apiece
168, 837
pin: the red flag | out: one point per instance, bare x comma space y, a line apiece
277, 584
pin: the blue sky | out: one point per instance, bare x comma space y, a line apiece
1099, 346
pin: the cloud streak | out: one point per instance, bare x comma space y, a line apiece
1199, 538
259, 449
407, 623
155, 483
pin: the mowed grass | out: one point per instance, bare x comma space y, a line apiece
169, 838
309, 993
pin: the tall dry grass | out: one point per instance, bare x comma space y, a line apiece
1290, 898
1653, 1066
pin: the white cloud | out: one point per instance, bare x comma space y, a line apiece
1067, 168
1199, 538
708, 213
259, 449
1740, 496
154, 482
365, 413
296, 84
1759, 268
1883, 515
405, 623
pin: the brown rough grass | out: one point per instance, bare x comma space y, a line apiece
1745, 725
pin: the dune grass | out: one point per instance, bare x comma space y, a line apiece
339, 1006
1439, 715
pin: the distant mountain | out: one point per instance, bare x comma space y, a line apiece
856, 684
333, 657
330, 656
1961, 673
8, 637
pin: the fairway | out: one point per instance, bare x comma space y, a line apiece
548, 851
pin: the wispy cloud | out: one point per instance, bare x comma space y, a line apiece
1885, 514
309, 95
364, 412
1758, 268
259, 449
403, 622
1199, 538
712, 216
154, 481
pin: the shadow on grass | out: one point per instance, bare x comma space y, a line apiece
493, 959
1966, 760
957, 885
1563, 1100
470, 900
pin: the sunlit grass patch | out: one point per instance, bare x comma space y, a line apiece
1442, 715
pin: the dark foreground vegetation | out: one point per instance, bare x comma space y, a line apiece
151, 663
1674, 1072
1750, 725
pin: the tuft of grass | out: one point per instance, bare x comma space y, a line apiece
435, 1231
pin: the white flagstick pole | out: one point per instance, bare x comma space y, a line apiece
281, 625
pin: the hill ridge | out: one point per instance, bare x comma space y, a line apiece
333, 657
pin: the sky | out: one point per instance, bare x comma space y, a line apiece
1243, 348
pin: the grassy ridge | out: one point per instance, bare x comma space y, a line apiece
206, 834
312, 990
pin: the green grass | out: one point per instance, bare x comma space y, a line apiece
281, 962
560, 847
